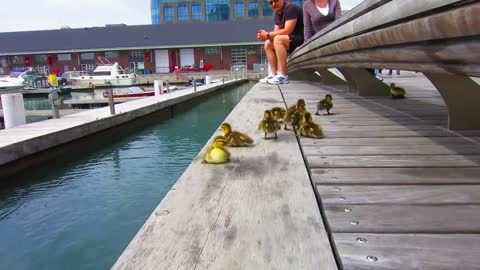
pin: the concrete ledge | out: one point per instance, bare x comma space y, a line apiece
25, 140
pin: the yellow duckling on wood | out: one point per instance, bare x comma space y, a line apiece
295, 113
269, 125
235, 138
325, 104
397, 92
310, 128
278, 113
217, 153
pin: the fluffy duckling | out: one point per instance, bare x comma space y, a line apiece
310, 128
269, 125
278, 113
325, 104
295, 113
217, 153
235, 138
397, 92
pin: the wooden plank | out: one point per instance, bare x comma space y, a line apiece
246, 214
407, 141
408, 251
442, 121
387, 133
404, 218
333, 127
414, 161
459, 149
400, 194
388, 176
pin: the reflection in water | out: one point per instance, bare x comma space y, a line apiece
81, 211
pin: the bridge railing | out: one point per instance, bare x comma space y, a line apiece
440, 38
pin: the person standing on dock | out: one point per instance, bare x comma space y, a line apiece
286, 36
318, 14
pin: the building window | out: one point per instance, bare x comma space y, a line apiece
155, 11
182, 13
87, 56
88, 67
40, 59
3, 61
64, 57
298, 2
239, 56
267, 10
253, 9
135, 56
239, 9
42, 70
18, 60
210, 51
196, 13
218, 10
262, 58
168, 14
112, 55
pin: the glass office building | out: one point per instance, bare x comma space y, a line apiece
178, 11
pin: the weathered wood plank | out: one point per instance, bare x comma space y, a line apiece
246, 214
388, 176
393, 161
407, 141
387, 133
333, 127
400, 194
404, 218
462, 149
408, 251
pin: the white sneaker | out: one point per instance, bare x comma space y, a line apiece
278, 79
269, 77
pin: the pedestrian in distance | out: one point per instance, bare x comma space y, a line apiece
286, 36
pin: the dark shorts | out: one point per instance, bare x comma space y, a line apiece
295, 41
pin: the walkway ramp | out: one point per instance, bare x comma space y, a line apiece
398, 189
257, 212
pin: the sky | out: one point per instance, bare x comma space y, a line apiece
55, 14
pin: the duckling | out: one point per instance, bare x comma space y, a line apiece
278, 113
295, 113
397, 92
269, 124
217, 153
310, 128
235, 138
325, 104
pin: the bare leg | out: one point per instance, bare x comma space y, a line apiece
271, 56
281, 44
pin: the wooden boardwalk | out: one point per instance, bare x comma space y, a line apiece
398, 189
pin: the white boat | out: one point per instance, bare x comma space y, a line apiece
8, 86
106, 75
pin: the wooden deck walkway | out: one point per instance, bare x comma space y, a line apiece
398, 189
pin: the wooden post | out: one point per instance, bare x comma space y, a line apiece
111, 102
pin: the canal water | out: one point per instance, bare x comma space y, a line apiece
81, 211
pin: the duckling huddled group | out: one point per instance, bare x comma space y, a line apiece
297, 116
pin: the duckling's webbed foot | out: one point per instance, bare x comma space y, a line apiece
328, 112
276, 137
285, 128
317, 113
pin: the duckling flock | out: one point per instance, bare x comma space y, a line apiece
297, 116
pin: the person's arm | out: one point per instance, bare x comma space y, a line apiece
307, 23
338, 10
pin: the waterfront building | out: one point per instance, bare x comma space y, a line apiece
184, 11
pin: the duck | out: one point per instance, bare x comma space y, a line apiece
235, 138
217, 153
278, 113
269, 125
310, 128
295, 113
397, 92
325, 104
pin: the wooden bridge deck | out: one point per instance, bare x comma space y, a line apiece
398, 189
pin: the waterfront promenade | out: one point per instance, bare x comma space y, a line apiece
393, 188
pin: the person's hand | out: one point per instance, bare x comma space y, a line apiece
262, 35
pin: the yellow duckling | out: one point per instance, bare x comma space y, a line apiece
217, 153
397, 92
278, 113
269, 125
310, 128
325, 104
235, 138
295, 113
